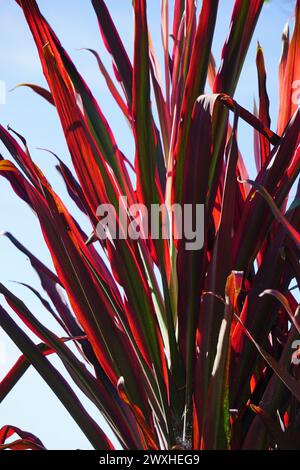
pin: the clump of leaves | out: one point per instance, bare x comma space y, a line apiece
189, 349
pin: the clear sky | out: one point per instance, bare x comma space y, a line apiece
31, 405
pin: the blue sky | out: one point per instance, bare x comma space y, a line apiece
31, 405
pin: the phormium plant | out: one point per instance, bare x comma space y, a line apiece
178, 348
